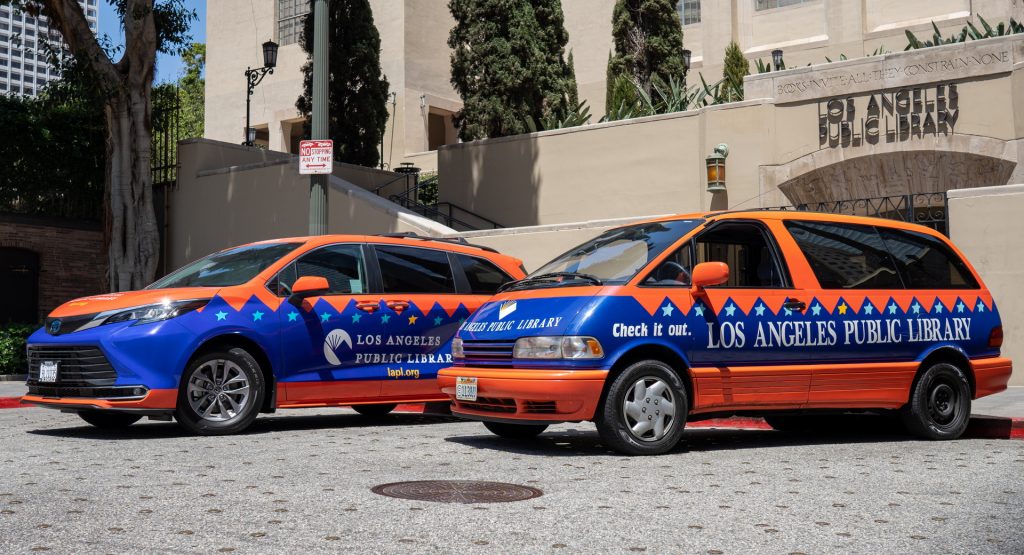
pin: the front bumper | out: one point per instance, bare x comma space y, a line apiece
535, 395
155, 401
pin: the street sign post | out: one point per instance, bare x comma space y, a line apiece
316, 157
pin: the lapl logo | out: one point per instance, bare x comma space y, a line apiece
331, 343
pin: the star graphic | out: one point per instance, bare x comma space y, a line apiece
257, 316
356, 317
384, 319
292, 316
981, 306
221, 315
325, 316
412, 320
916, 307
892, 308
842, 308
729, 310
698, 309
868, 309
787, 311
938, 307
816, 309
437, 321
667, 310
960, 306
759, 309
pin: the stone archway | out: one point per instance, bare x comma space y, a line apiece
934, 165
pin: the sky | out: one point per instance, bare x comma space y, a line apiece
168, 67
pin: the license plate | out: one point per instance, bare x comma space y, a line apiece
48, 371
465, 389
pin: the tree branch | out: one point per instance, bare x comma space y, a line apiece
67, 15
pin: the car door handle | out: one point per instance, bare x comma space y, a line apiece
397, 306
368, 306
794, 304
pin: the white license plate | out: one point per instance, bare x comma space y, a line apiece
48, 371
465, 389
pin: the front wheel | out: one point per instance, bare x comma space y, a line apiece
644, 411
515, 431
108, 420
221, 393
374, 410
940, 403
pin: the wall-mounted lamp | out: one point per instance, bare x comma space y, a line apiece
780, 64
686, 65
716, 168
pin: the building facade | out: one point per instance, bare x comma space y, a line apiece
24, 65
416, 58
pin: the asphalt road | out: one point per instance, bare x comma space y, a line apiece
300, 481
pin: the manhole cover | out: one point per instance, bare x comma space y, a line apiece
458, 491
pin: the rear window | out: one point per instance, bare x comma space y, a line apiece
927, 262
483, 276
846, 256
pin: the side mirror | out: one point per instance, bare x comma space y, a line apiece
308, 286
707, 274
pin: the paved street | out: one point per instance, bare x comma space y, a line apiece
301, 481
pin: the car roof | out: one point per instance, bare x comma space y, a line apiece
454, 244
776, 214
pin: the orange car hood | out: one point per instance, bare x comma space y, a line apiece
128, 299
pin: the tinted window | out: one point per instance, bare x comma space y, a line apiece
341, 265
845, 256
226, 268
745, 249
927, 262
413, 270
484, 277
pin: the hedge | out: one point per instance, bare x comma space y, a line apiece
12, 348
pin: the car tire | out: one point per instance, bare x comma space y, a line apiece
221, 393
940, 403
632, 418
515, 431
108, 420
375, 410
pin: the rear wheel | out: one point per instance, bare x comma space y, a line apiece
108, 420
374, 410
644, 411
940, 403
221, 393
515, 431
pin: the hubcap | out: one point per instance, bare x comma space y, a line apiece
943, 401
218, 390
649, 409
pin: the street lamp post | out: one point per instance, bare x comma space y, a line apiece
253, 78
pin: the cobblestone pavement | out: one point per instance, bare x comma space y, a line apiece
300, 481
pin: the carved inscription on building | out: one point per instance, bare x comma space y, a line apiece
888, 116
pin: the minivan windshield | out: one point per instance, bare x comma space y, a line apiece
613, 257
226, 268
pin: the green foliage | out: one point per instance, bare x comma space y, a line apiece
357, 90
427, 188
12, 348
509, 66
969, 31
171, 18
577, 114
648, 39
192, 90
736, 68
666, 98
762, 66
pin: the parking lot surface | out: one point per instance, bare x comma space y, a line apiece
300, 481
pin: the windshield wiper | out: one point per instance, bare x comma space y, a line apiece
554, 277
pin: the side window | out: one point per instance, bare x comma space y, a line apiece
415, 270
744, 247
341, 265
675, 270
845, 256
927, 262
484, 277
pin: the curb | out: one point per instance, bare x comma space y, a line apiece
11, 403
13, 377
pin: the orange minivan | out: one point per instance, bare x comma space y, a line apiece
782, 314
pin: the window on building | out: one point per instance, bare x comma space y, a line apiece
484, 277
415, 270
290, 16
3, 86
29, 91
760, 5
19, 271
689, 11
845, 256
926, 262
440, 128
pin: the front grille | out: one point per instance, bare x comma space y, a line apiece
488, 352
540, 407
78, 366
488, 404
87, 392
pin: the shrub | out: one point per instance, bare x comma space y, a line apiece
12, 348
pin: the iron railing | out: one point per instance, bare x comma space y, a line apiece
927, 209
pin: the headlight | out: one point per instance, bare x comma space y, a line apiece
571, 347
457, 351
150, 313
